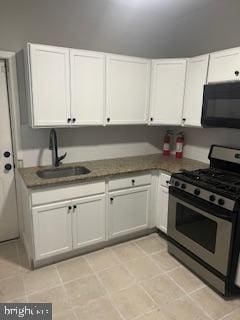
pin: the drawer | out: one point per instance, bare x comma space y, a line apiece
55, 194
130, 181
164, 180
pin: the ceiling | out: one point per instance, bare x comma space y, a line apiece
162, 8
149, 28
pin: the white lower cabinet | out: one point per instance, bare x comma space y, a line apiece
58, 220
128, 210
52, 229
162, 202
88, 221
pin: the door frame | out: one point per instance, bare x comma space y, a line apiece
14, 112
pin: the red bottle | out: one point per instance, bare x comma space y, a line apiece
166, 143
179, 145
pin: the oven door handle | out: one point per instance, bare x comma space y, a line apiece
198, 205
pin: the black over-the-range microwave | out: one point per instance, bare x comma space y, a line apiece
221, 105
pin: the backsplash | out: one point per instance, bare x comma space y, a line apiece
91, 143
199, 140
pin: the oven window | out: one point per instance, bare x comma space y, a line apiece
197, 227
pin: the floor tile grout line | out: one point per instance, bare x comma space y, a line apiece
229, 314
148, 253
64, 288
138, 283
189, 296
108, 295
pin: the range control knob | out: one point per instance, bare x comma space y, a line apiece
183, 186
212, 198
221, 202
8, 167
197, 192
177, 183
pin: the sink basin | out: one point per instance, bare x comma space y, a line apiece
62, 172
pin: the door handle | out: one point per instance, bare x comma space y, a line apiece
8, 167
7, 154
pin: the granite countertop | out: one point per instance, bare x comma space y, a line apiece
111, 167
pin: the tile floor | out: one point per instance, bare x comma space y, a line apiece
137, 280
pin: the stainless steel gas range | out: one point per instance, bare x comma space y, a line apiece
204, 219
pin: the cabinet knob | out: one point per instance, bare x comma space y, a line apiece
133, 182
8, 167
111, 200
69, 120
108, 119
74, 207
70, 208
7, 154
237, 73
151, 119
184, 119
74, 120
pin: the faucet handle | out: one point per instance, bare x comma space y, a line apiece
62, 157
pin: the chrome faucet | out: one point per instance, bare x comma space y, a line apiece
53, 145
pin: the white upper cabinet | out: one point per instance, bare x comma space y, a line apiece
167, 91
127, 87
87, 87
224, 66
196, 78
48, 71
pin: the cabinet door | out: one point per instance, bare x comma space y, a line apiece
128, 211
224, 66
167, 91
52, 229
195, 80
128, 81
87, 87
89, 221
50, 85
162, 213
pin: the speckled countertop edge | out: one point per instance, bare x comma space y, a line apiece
101, 169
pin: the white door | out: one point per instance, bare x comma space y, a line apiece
196, 78
52, 229
8, 207
167, 91
50, 85
128, 81
87, 87
128, 211
88, 221
162, 215
224, 66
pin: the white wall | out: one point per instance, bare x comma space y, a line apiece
198, 141
90, 143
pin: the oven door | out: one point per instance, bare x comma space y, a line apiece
221, 105
203, 231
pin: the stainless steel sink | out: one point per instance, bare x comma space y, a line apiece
62, 172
